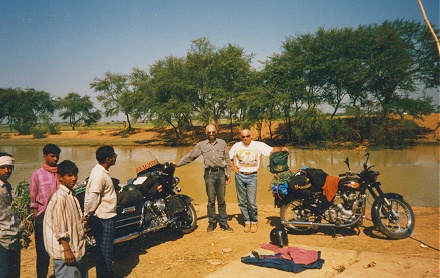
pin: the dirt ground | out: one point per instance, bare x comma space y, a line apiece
170, 254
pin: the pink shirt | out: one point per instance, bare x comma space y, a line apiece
43, 185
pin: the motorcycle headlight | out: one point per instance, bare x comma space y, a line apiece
176, 180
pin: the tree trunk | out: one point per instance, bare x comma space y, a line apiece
128, 121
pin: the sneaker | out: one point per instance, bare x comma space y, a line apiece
226, 228
254, 228
211, 227
247, 227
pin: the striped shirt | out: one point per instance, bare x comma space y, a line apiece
63, 220
9, 222
41, 187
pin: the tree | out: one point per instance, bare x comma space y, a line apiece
27, 108
200, 61
115, 95
233, 71
9, 101
77, 109
173, 98
402, 58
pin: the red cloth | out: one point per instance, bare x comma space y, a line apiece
51, 169
330, 187
295, 254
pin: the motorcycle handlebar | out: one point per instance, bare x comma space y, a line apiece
348, 174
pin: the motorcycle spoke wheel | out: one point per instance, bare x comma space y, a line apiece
190, 223
294, 211
395, 221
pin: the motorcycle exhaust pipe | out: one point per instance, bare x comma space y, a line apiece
315, 225
126, 238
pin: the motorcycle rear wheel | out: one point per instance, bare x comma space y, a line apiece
191, 222
293, 211
397, 222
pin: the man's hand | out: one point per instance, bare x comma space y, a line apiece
228, 179
174, 164
69, 258
235, 169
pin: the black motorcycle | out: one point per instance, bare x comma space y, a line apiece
148, 203
306, 204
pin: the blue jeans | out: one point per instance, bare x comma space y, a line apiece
9, 263
76, 270
247, 196
216, 189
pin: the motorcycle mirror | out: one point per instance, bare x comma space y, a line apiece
347, 162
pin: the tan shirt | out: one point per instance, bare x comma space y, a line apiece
62, 219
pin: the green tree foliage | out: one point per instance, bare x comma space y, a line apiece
77, 109
173, 99
117, 94
24, 109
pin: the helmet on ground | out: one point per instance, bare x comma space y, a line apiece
278, 237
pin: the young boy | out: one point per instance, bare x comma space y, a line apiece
63, 228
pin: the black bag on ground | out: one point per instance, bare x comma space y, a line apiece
278, 162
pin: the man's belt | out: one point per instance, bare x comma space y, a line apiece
248, 173
214, 169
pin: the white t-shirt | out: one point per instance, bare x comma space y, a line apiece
101, 183
247, 158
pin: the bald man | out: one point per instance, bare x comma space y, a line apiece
217, 174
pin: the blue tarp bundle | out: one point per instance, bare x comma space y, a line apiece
275, 261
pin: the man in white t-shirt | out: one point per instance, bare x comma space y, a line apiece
100, 209
245, 160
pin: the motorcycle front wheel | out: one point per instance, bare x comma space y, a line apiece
397, 220
190, 223
293, 211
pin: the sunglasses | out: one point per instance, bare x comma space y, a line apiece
245, 136
211, 132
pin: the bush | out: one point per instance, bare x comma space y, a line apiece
53, 128
21, 206
23, 127
38, 132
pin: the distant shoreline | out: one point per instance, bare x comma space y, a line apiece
113, 134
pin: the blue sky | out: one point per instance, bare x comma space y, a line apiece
61, 46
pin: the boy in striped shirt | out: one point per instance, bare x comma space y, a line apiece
64, 237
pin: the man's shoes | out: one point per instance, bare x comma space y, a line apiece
254, 228
226, 228
247, 227
211, 227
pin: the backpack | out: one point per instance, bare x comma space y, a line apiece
278, 162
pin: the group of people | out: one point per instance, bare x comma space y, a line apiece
59, 219
244, 160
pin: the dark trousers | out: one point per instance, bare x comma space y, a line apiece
103, 231
216, 189
9, 263
42, 256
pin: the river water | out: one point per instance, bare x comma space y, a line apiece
413, 172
